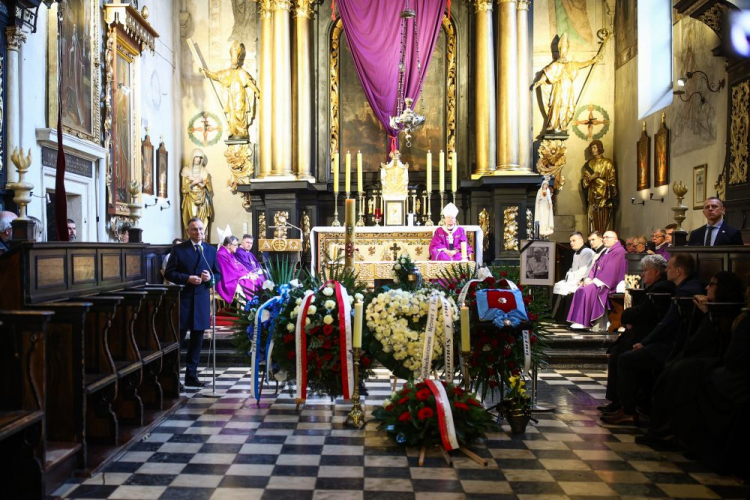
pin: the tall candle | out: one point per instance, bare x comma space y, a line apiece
348, 173
350, 217
464, 251
465, 342
336, 172
359, 172
357, 340
454, 172
429, 171
441, 177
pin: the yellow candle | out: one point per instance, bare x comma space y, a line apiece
357, 339
336, 172
348, 173
464, 256
465, 342
429, 171
350, 214
359, 172
454, 172
441, 177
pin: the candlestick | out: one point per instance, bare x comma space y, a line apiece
336, 172
357, 339
361, 219
359, 171
454, 174
442, 205
429, 171
348, 174
467, 378
336, 222
429, 222
441, 172
357, 416
350, 213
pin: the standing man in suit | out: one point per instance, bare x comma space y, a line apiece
193, 263
716, 232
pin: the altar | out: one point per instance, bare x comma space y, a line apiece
376, 249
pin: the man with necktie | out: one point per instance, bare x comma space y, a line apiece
716, 232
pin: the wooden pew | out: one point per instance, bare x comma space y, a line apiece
167, 324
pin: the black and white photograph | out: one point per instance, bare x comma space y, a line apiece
538, 263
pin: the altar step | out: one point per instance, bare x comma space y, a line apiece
574, 350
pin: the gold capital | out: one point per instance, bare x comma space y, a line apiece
264, 7
523, 4
481, 5
15, 37
282, 5
304, 8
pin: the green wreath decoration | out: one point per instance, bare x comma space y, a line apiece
604, 129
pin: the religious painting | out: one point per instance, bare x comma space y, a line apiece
699, 186
78, 44
147, 166
538, 263
661, 155
626, 31
395, 213
578, 18
643, 159
162, 172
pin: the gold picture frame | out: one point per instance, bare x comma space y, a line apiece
661, 154
699, 186
81, 86
162, 171
148, 180
643, 159
395, 213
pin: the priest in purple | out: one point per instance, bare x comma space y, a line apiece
237, 279
446, 241
590, 300
245, 257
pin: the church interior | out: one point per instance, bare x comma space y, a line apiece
368, 249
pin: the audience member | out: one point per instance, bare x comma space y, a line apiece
629, 245
564, 289
639, 242
638, 321
636, 368
716, 232
123, 234
591, 299
246, 257
164, 262
659, 239
670, 228
72, 232
6, 230
235, 277
596, 243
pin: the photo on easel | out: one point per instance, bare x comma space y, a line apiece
538, 262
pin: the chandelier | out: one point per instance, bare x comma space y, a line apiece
406, 120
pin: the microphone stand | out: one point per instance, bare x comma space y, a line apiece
212, 345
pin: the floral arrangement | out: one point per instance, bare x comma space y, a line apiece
517, 400
403, 269
410, 415
396, 321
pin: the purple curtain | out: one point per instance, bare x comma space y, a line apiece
373, 30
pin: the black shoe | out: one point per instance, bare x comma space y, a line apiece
662, 440
610, 408
193, 382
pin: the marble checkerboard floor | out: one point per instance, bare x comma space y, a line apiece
227, 448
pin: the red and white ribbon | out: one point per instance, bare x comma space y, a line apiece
465, 291
444, 414
429, 337
301, 346
448, 339
345, 339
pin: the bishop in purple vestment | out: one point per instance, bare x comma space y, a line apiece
590, 300
446, 241
246, 257
234, 275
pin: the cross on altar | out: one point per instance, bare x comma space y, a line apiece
591, 121
395, 248
205, 129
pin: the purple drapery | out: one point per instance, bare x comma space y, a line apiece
373, 30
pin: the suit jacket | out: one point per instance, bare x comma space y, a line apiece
644, 312
184, 261
727, 235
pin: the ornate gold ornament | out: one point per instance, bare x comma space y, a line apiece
484, 223
15, 37
22, 190
394, 178
738, 132
262, 225
306, 226
510, 233
304, 8
451, 83
714, 17
481, 5
279, 220
529, 224
721, 186
240, 161
680, 190
552, 160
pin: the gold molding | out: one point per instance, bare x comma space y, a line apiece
552, 160
481, 5
510, 233
714, 17
451, 83
132, 24
485, 223
264, 8
738, 133
334, 77
304, 8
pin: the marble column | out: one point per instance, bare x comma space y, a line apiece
265, 113
15, 39
524, 84
303, 90
484, 89
507, 87
281, 138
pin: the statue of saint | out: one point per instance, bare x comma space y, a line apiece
560, 74
394, 177
543, 213
599, 182
197, 191
240, 103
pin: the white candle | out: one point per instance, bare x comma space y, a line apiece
348, 173
336, 172
429, 171
359, 172
454, 172
464, 250
441, 177
357, 340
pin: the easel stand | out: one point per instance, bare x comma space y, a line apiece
449, 459
535, 406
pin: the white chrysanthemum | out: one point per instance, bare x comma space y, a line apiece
359, 296
290, 327
328, 319
312, 310
397, 267
293, 314
329, 304
298, 301
328, 291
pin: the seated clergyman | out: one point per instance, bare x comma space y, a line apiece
564, 289
446, 242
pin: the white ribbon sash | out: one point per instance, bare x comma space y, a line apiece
429, 337
445, 416
526, 351
448, 339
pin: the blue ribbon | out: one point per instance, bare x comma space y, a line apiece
498, 316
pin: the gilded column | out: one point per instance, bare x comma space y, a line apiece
303, 90
15, 39
507, 87
524, 85
484, 90
282, 91
265, 114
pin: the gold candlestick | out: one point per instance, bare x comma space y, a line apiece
361, 218
429, 222
357, 416
467, 378
442, 205
336, 222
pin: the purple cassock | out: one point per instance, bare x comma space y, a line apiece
663, 251
248, 260
444, 240
590, 301
232, 274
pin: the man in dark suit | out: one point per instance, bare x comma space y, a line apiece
716, 232
193, 263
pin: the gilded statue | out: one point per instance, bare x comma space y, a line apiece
240, 105
197, 190
394, 177
279, 220
262, 224
599, 182
560, 74
306, 231
484, 224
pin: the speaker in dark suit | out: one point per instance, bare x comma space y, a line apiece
192, 263
725, 235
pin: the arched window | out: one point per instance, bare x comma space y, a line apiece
654, 56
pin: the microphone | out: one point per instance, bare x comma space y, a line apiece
200, 249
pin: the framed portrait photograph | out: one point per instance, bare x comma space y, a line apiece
643, 159
538, 263
162, 162
147, 166
661, 154
395, 213
79, 43
699, 186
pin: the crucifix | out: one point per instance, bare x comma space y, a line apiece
206, 129
395, 248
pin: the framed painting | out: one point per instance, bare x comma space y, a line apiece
538, 263
162, 174
643, 159
661, 155
78, 43
147, 166
395, 212
699, 186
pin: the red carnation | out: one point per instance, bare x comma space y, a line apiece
405, 391
321, 338
494, 343
404, 417
389, 407
365, 361
326, 344
328, 356
527, 299
327, 329
290, 355
503, 274
490, 280
425, 413
423, 394
314, 331
533, 339
458, 391
473, 402
490, 371
511, 365
336, 367
461, 406
403, 400
288, 339
493, 383
506, 353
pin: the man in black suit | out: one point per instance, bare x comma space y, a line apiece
716, 232
193, 263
